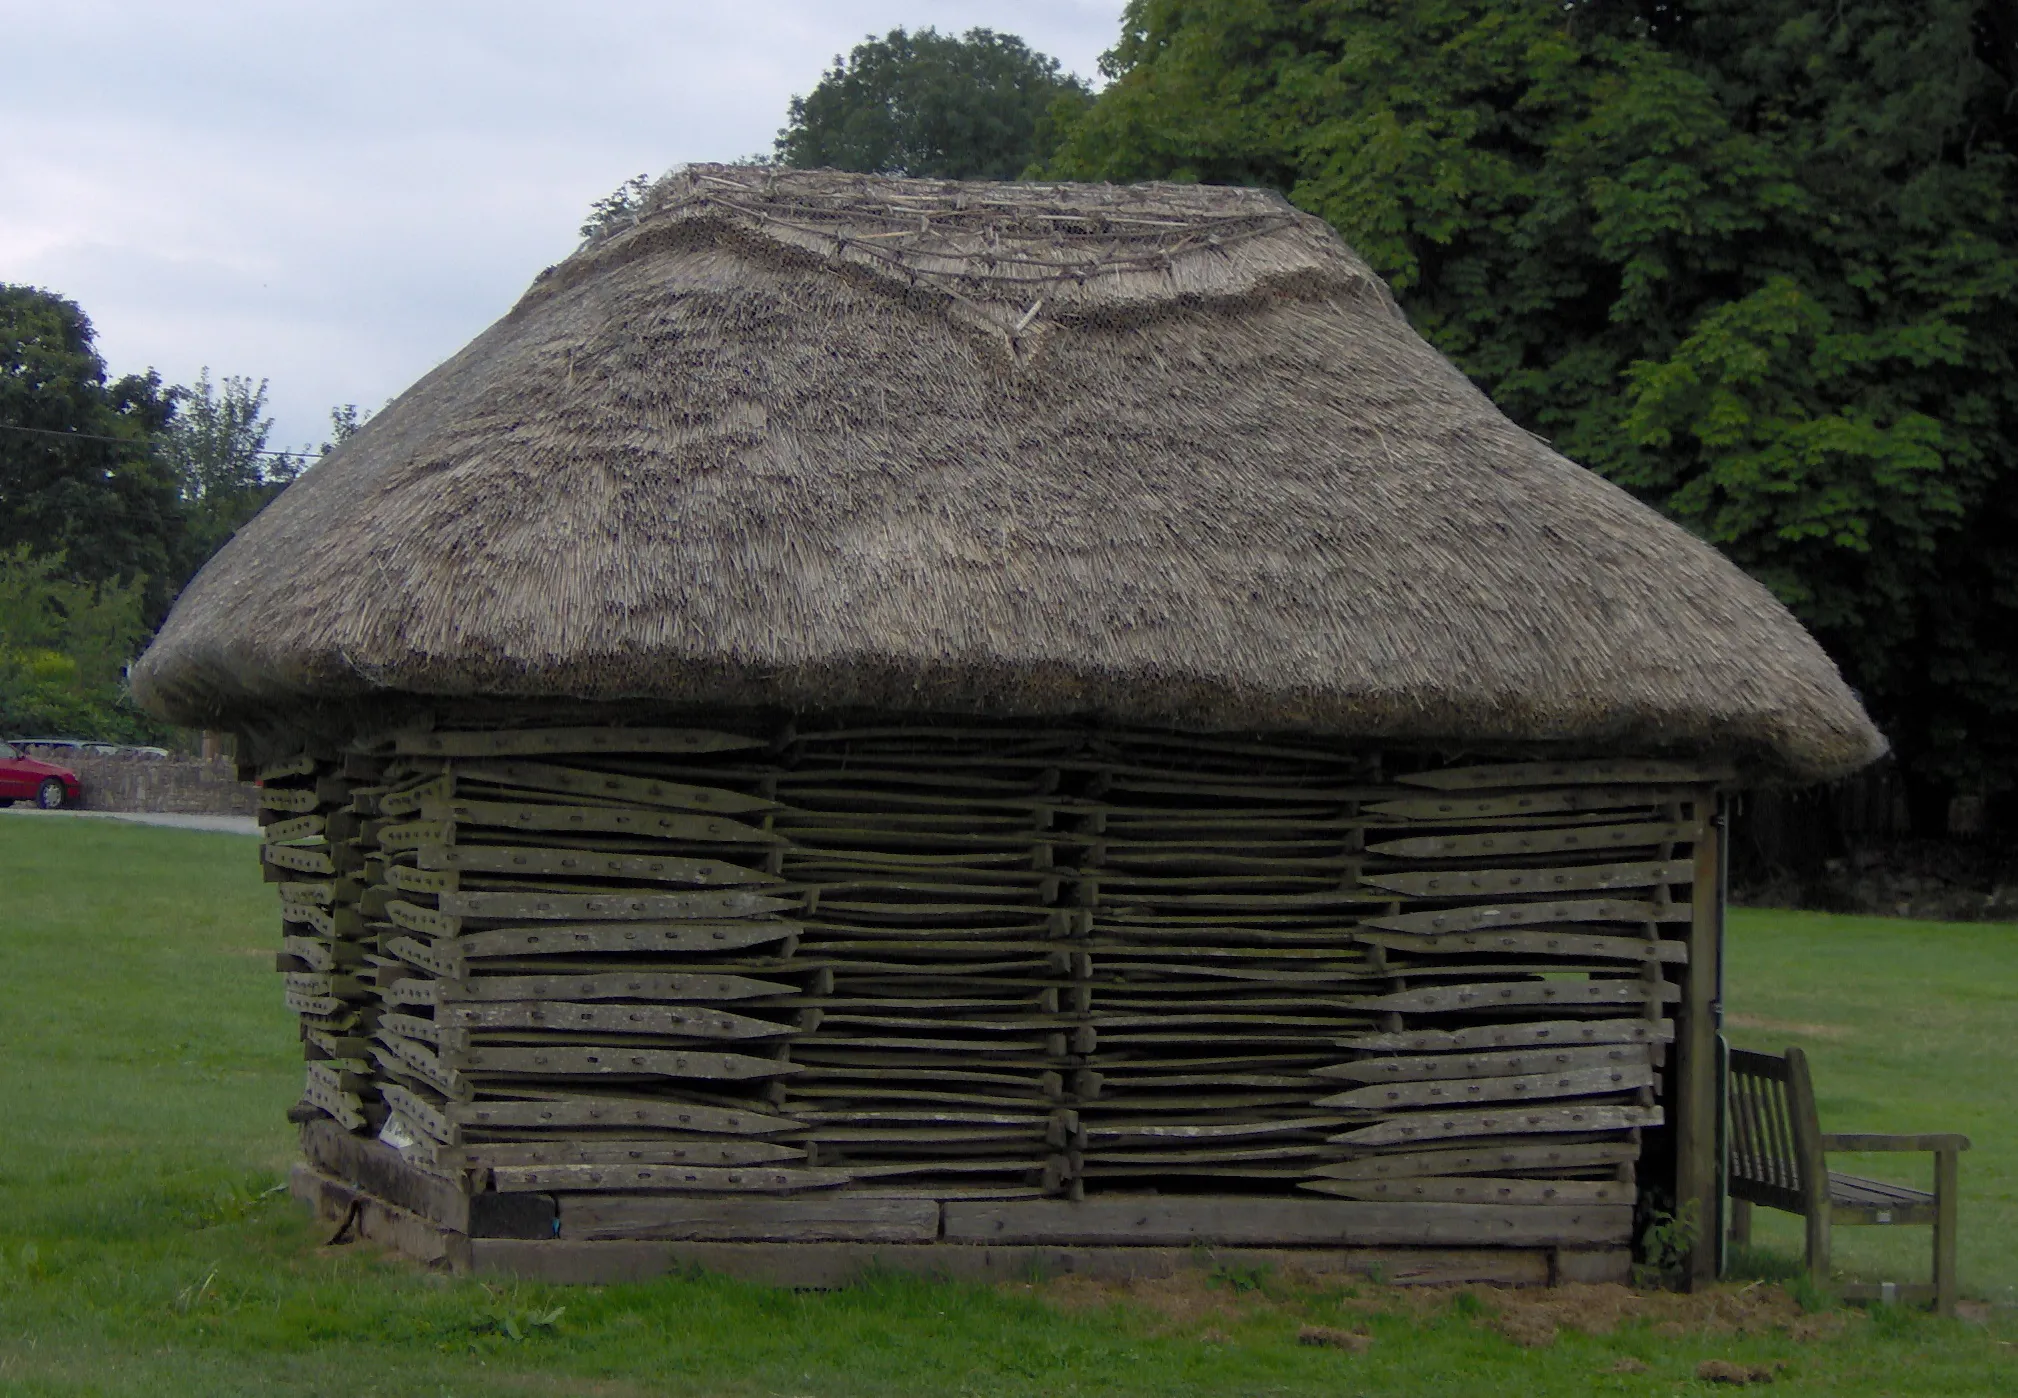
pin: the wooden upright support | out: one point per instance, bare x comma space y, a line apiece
1698, 1091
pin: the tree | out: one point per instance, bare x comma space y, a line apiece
980, 106
64, 648
216, 445
1756, 260
78, 474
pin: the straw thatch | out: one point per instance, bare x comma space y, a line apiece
1163, 455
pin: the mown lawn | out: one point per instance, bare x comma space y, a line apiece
145, 1063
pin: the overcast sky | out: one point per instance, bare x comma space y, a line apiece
336, 197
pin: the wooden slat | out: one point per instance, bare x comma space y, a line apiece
1666, 950
603, 937
1479, 809
606, 1018
1593, 838
1492, 775
556, 1061
613, 985
593, 907
1442, 999
300, 765
575, 1110
1580, 1082
1420, 1068
1283, 1222
300, 800
1467, 883
572, 863
608, 820
1479, 1189
1540, 1032
1483, 1160
1518, 1121
542, 742
828, 1217
1529, 915
692, 1179
650, 791
306, 827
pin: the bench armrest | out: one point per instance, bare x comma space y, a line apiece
1871, 1140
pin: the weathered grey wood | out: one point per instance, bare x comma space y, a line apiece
555, 1061
1488, 776
604, 1018
302, 764
1164, 1219
379, 1170
754, 1179
1443, 999
1483, 1160
828, 1218
1519, 1121
1697, 1092
1663, 950
1478, 809
1478, 1189
299, 800
1418, 1068
377, 1221
504, 815
612, 985
598, 1151
1468, 883
541, 742
587, 1110
597, 938
1539, 840
1529, 915
1539, 1032
836, 1264
575, 863
543, 907
1582, 1082
652, 791
306, 827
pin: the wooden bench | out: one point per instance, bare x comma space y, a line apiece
1779, 1158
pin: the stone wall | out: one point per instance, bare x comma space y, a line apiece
183, 785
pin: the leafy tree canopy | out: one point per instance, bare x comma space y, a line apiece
216, 445
980, 106
64, 648
1756, 260
77, 472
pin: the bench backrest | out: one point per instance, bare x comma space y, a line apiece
1775, 1156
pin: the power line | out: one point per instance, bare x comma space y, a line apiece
130, 442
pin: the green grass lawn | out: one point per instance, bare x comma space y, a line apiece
145, 1063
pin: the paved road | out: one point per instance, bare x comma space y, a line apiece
223, 825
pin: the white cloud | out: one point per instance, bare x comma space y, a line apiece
338, 197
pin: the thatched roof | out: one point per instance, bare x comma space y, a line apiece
1161, 454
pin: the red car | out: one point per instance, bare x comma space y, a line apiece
27, 779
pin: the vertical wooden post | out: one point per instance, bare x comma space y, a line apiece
1947, 1186
1698, 1095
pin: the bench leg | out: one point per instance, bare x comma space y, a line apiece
1817, 1219
1741, 1223
1946, 1189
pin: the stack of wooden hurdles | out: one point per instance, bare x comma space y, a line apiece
912, 983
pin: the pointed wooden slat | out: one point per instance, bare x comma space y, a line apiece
1445, 1092
1671, 951
509, 1179
1468, 883
1423, 1068
570, 863
1592, 838
541, 742
596, 1062
1443, 999
1530, 914
606, 1018
503, 815
1512, 1121
1479, 1189
1542, 1032
1484, 1160
1488, 776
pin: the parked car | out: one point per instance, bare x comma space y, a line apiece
25, 778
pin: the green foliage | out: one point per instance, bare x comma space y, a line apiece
1753, 259
979, 106
617, 209
216, 445
77, 473
64, 647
